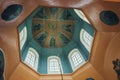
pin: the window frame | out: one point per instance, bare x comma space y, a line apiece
71, 61
81, 15
84, 41
23, 39
59, 64
35, 67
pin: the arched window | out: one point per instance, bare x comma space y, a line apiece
76, 59
86, 39
32, 58
54, 65
23, 37
81, 15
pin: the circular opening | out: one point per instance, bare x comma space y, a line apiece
109, 17
11, 12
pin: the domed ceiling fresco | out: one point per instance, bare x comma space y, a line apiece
53, 27
62, 33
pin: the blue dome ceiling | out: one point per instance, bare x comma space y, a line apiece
54, 32
53, 27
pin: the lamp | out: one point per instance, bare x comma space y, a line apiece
60, 67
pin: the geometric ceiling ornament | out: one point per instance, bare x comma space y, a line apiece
109, 17
53, 27
11, 12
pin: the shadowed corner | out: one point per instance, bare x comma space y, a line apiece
1, 65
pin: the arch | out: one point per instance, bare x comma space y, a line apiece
76, 59
23, 37
2, 65
32, 58
81, 15
54, 65
86, 39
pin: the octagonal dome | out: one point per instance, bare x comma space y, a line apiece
55, 40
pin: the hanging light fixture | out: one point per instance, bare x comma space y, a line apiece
60, 66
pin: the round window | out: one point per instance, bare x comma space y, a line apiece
11, 12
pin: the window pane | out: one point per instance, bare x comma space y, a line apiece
54, 65
23, 36
76, 58
30, 59
86, 39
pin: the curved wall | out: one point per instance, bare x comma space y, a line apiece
112, 53
10, 45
